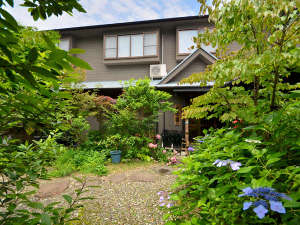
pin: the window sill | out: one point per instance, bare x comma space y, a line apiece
137, 60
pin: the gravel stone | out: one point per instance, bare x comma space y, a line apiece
126, 197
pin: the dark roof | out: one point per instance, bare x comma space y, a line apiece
133, 23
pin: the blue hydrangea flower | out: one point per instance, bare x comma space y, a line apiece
260, 211
191, 149
261, 202
282, 195
162, 204
169, 205
247, 205
234, 165
277, 207
261, 206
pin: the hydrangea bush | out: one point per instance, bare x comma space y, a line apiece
248, 175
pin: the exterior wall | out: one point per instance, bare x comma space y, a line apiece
195, 67
101, 72
166, 120
169, 48
91, 40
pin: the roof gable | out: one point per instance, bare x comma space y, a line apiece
207, 56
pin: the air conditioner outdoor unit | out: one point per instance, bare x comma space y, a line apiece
158, 71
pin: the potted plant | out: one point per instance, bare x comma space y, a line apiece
113, 143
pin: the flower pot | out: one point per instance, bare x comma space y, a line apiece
115, 156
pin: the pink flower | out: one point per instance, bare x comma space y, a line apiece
164, 151
173, 159
158, 137
151, 145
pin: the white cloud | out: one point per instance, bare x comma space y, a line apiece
110, 11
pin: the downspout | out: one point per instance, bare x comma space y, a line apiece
162, 48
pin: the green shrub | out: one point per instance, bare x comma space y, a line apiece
207, 192
83, 160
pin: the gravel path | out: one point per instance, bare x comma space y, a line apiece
127, 196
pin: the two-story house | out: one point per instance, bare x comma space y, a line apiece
157, 49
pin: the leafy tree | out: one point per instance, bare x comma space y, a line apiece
254, 76
136, 110
31, 67
260, 153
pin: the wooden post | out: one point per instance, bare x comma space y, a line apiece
187, 136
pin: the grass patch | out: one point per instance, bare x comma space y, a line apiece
78, 160
129, 165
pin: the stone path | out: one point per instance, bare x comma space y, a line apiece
127, 197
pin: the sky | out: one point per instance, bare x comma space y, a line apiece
110, 11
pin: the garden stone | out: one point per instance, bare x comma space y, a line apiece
142, 177
117, 178
52, 188
165, 170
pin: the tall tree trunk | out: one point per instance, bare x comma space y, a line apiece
276, 78
255, 90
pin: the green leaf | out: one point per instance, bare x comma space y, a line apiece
79, 62
45, 219
44, 72
68, 198
273, 160
9, 18
245, 169
32, 56
35, 205
48, 41
28, 76
76, 51
10, 2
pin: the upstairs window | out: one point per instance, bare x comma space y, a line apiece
111, 47
185, 40
130, 46
64, 44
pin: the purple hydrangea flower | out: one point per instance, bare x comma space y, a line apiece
234, 165
161, 198
247, 205
169, 205
160, 193
191, 149
277, 207
261, 206
260, 211
261, 202
162, 204
282, 195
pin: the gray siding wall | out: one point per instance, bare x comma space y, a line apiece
195, 67
101, 72
166, 120
169, 48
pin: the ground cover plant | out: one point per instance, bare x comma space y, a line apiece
248, 171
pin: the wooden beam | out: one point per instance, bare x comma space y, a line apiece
187, 136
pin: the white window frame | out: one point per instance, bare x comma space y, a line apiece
69, 43
131, 34
178, 40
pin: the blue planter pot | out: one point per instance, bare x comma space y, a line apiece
115, 156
